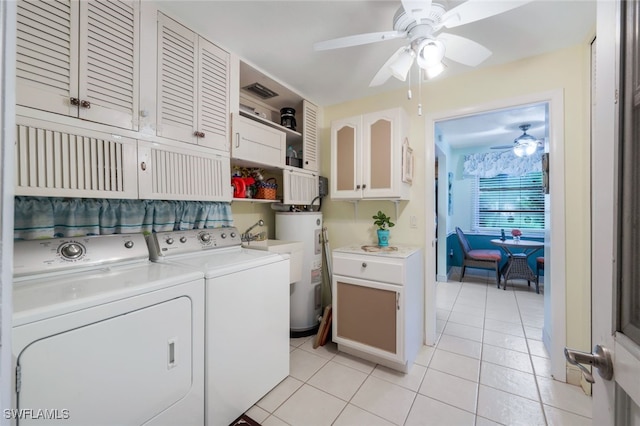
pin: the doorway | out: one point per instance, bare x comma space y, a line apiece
554, 331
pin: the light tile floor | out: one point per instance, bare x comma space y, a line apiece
489, 367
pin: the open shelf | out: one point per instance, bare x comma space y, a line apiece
256, 200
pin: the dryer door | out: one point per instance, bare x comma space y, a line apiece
123, 370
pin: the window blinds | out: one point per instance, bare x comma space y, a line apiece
509, 202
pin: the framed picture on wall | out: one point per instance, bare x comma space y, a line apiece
407, 162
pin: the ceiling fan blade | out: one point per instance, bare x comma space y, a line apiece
463, 50
356, 40
384, 72
475, 10
417, 10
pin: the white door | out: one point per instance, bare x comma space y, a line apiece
615, 254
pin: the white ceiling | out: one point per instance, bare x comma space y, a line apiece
494, 128
278, 36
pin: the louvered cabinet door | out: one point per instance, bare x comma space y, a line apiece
167, 172
53, 160
213, 96
47, 54
177, 81
109, 69
309, 136
299, 187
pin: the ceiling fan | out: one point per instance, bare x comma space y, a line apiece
418, 21
524, 145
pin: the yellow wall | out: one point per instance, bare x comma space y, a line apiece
566, 69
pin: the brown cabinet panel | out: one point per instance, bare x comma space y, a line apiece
368, 315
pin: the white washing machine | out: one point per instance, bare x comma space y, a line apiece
102, 336
247, 315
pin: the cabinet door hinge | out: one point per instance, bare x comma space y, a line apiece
398, 301
18, 378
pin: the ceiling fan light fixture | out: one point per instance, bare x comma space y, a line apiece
525, 144
430, 53
525, 149
434, 71
401, 66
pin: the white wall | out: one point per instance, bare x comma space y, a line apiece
566, 70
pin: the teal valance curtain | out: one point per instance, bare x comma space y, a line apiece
42, 217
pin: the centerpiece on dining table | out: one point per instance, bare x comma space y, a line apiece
516, 234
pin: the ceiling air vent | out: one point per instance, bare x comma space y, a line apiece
260, 91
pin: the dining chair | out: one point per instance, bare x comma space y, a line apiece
539, 267
478, 258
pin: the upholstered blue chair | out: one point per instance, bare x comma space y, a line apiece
480, 258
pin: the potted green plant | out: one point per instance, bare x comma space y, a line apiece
383, 222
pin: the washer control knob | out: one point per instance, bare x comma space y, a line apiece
233, 235
169, 240
128, 244
71, 251
223, 235
205, 238
183, 239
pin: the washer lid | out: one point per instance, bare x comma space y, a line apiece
50, 295
222, 262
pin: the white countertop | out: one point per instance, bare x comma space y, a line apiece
394, 250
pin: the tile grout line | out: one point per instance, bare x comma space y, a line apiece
535, 377
484, 321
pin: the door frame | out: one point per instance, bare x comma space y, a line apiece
7, 131
611, 398
555, 297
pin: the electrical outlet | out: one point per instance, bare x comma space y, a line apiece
413, 222
450, 253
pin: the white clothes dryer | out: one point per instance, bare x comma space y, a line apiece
247, 315
102, 336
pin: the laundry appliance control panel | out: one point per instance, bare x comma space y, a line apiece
171, 243
58, 254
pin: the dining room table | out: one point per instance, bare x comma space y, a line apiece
518, 252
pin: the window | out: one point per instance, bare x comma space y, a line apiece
507, 202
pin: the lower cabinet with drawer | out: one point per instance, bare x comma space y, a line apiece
378, 303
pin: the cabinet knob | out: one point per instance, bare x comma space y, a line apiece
143, 166
85, 104
364, 186
364, 264
198, 134
357, 186
74, 101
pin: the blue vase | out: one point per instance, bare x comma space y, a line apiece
383, 237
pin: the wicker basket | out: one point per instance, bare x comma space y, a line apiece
267, 189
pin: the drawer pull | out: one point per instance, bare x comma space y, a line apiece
364, 264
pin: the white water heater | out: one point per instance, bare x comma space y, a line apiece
306, 295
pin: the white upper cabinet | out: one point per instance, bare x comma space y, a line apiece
167, 172
261, 99
79, 58
193, 87
366, 156
55, 160
309, 136
299, 186
257, 144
